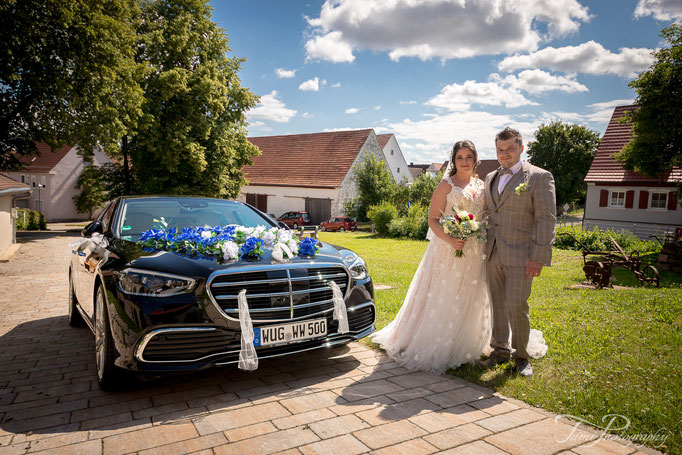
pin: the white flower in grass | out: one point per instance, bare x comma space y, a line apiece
230, 250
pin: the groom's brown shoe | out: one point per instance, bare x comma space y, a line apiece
523, 368
493, 361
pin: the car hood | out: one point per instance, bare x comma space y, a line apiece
132, 255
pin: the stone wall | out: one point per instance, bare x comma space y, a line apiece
671, 257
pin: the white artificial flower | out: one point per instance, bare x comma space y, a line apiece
269, 237
246, 230
293, 246
205, 234
284, 235
257, 231
230, 250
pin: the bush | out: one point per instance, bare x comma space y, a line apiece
382, 215
598, 240
30, 220
414, 225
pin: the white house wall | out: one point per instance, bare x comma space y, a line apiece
283, 199
643, 222
6, 227
347, 188
396, 161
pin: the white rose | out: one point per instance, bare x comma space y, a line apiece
293, 246
474, 225
284, 235
230, 250
269, 237
206, 234
257, 231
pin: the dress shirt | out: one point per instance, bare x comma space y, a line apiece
502, 179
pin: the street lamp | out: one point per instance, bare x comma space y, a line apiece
38, 204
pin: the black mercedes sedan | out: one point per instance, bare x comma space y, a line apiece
178, 303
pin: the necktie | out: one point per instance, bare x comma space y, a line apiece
504, 171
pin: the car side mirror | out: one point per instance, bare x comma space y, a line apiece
283, 225
93, 228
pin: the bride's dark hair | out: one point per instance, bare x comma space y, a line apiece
463, 145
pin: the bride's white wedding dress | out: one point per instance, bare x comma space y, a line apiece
445, 319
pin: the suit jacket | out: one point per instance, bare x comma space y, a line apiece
522, 226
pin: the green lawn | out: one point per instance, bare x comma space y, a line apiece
610, 352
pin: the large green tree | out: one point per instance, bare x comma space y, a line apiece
566, 150
374, 183
192, 135
657, 123
67, 74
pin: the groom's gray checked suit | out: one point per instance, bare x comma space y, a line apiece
522, 229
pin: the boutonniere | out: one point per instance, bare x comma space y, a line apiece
523, 187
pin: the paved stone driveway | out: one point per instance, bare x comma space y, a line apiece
348, 400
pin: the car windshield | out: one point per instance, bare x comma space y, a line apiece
139, 215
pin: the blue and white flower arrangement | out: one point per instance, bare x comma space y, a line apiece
229, 242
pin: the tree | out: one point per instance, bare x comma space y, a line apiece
566, 150
67, 73
374, 183
192, 134
423, 187
657, 123
93, 193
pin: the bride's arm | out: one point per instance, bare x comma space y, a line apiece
436, 209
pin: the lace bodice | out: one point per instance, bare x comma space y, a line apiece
461, 198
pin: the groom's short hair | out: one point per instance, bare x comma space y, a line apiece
509, 133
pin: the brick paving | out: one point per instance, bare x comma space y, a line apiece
348, 400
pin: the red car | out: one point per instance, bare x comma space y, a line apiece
295, 219
339, 223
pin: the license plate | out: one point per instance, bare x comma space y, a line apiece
286, 333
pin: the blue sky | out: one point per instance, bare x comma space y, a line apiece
436, 71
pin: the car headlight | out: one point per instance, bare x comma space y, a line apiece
356, 265
153, 284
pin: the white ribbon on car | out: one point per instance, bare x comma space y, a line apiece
340, 313
279, 250
248, 359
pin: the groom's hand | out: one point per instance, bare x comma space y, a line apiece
533, 269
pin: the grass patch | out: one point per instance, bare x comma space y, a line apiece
610, 352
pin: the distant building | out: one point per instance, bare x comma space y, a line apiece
311, 172
53, 176
10, 192
625, 200
394, 157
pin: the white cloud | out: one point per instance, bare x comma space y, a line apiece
329, 47
352, 110
323, 82
271, 108
408, 102
285, 74
662, 10
429, 140
538, 81
376, 108
336, 85
306, 115
311, 85
443, 29
602, 112
590, 57
257, 124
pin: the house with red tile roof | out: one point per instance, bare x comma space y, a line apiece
311, 172
53, 176
10, 192
394, 157
626, 200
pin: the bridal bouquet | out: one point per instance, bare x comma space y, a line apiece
462, 225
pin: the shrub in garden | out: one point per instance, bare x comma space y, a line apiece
598, 240
414, 225
30, 220
381, 215
42, 224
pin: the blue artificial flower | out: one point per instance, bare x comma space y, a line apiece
251, 247
308, 246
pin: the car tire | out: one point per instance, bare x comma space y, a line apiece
108, 374
322, 228
295, 226
75, 317
342, 229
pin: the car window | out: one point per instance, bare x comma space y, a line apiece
139, 215
105, 217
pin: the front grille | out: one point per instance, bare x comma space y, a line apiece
275, 293
168, 346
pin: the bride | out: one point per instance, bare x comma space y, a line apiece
445, 319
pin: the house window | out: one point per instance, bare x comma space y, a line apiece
617, 199
659, 200
398, 170
23, 178
391, 151
33, 181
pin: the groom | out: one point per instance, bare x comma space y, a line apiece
521, 208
